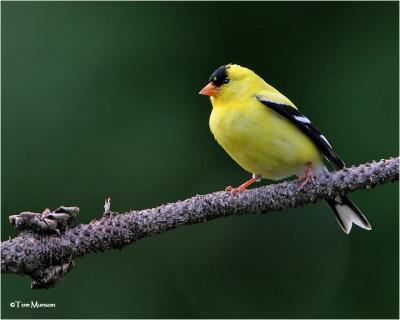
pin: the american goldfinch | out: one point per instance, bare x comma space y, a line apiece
266, 135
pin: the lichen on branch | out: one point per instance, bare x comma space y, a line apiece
46, 258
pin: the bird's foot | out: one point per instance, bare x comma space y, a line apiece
235, 190
243, 186
308, 176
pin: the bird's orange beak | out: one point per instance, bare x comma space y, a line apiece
209, 90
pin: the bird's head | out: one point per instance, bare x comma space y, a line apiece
231, 82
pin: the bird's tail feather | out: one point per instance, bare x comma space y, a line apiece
347, 213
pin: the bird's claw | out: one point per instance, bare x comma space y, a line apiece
233, 190
308, 177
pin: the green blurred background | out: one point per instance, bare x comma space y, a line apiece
100, 99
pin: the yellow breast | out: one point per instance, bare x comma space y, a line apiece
261, 141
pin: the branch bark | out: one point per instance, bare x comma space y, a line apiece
46, 258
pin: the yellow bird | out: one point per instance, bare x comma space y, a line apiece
266, 135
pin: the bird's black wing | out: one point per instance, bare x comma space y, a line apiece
305, 125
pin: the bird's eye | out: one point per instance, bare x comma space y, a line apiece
226, 81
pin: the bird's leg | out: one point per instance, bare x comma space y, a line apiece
242, 187
308, 176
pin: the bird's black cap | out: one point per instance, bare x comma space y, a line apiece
219, 75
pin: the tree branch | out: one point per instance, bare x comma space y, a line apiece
46, 258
